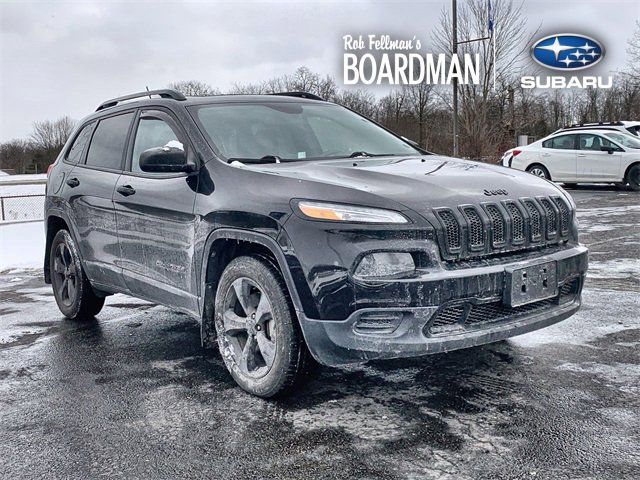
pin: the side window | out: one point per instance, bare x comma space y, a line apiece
152, 132
75, 152
108, 142
563, 142
595, 143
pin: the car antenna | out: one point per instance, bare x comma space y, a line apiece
147, 87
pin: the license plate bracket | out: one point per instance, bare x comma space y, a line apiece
530, 284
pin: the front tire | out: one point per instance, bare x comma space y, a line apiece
258, 334
633, 178
71, 288
539, 171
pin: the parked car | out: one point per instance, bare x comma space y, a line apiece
582, 156
622, 126
294, 229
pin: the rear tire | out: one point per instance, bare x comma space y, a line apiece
71, 287
258, 333
633, 178
539, 171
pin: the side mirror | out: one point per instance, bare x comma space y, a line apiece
165, 160
609, 150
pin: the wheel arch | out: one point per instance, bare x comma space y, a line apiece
628, 169
222, 246
56, 221
538, 163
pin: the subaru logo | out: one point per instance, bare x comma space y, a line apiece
567, 51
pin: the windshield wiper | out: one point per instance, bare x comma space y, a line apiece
265, 159
366, 154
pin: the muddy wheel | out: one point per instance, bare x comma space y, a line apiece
71, 288
258, 334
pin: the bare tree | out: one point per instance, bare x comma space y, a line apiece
248, 89
51, 136
480, 105
419, 104
194, 88
14, 156
361, 101
633, 50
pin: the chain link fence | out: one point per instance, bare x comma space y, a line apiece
21, 208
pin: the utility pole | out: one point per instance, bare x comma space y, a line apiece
454, 50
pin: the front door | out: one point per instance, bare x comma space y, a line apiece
156, 224
596, 164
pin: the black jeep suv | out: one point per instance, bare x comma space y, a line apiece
295, 229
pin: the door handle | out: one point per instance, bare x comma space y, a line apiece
126, 190
73, 182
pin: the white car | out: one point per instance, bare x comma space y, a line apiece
581, 156
623, 126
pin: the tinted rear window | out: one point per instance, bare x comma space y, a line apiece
108, 142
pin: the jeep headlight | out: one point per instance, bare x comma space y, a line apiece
349, 213
384, 264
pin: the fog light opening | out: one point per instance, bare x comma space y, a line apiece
378, 323
385, 264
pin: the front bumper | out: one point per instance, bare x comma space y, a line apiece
409, 331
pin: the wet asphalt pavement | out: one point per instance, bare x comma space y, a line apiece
132, 395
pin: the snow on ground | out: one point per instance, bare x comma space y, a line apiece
21, 245
615, 268
9, 179
17, 190
12, 185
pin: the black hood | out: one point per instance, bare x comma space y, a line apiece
420, 182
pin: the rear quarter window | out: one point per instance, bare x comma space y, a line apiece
562, 142
108, 142
74, 154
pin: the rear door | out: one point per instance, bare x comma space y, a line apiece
90, 188
597, 165
559, 155
156, 224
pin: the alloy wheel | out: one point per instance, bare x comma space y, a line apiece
66, 277
538, 172
249, 328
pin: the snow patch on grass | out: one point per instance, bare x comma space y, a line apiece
21, 246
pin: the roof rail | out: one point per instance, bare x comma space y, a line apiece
164, 93
595, 124
310, 96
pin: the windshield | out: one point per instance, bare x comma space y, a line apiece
295, 131
624, 139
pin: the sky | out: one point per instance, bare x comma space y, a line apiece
66, 57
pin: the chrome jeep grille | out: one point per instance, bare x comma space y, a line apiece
495, 227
